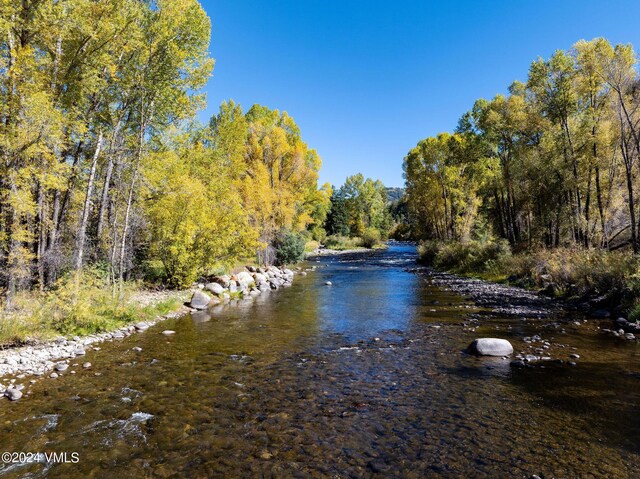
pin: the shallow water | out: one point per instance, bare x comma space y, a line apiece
364, 378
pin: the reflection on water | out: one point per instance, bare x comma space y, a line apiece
364, 378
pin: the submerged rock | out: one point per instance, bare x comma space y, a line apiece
490, 347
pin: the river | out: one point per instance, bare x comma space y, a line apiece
363, 378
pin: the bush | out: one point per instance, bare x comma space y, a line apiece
581, 272
469, 257
370, 238
289, 248
427, 251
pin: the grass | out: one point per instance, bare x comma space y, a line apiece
79, 305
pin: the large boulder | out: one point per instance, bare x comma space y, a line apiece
490, 347
244, 278
199, 300
222, 280
260, 278
214, 288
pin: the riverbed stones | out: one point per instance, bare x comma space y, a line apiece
328, 283
168, 332
61, 367
141, 326
490, 347
200, 300
86, 365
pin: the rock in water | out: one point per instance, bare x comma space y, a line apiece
215, 288
490, 347
13, 394
244, 278
199, 300
328, 283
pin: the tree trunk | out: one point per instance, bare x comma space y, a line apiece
82, 233
605, 242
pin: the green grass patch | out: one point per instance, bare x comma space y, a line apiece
79, 304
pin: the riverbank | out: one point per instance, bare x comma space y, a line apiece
494, 299
60, 355
600, 283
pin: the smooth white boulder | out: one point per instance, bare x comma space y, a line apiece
490, 347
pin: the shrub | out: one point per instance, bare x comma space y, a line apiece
427, 251
289, 248
370, 237
468, 257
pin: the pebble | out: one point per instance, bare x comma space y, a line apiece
168, 332
328, 283
61, 367
574, 356
53, 375
86, 365
137, 349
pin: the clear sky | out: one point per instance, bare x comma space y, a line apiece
365, 80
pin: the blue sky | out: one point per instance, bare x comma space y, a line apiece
366, 80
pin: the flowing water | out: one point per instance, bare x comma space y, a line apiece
364, 378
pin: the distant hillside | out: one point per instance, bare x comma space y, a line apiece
394, 194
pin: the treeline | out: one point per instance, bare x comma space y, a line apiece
103, 164
359, 210
553, 163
